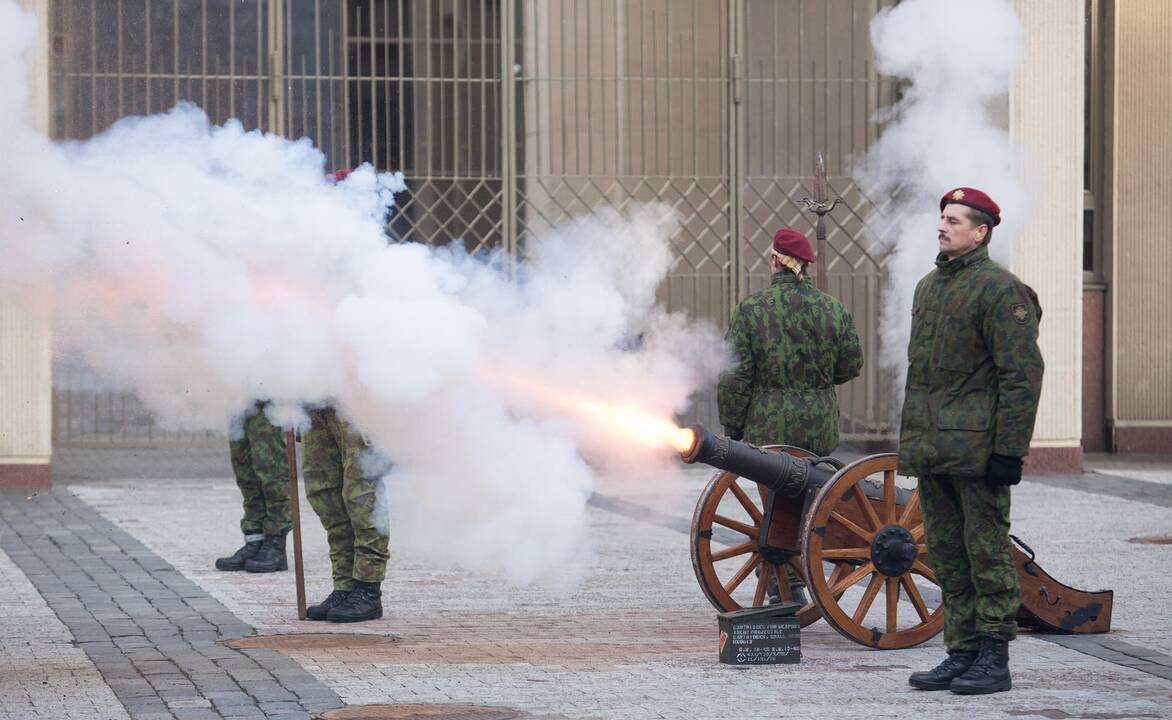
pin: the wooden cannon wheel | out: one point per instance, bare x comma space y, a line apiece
734, 575
856, 547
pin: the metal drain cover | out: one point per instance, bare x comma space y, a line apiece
411, 712
1153, 540
313, 641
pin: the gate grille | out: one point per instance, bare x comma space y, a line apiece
509, 116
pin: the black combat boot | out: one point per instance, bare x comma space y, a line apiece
364, 602
941, 676
236, 560
321, 611
271, 556
990, 672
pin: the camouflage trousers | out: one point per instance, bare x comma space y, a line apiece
344, 499
966, 526
262, 474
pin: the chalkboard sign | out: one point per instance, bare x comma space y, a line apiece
760, 636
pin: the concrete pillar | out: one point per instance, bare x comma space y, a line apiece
26, 382
1140, 325
1046, 120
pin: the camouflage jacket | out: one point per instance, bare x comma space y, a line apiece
791, 343
974, 368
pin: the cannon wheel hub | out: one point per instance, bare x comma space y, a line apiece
893, 550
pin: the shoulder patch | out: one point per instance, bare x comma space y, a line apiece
1021, 313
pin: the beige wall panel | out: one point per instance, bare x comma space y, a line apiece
25, 374
1046, 124
1142, 261
25, 384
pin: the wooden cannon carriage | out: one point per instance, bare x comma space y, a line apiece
851, 533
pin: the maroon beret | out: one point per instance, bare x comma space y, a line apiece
338, 176
975, 199
791, 242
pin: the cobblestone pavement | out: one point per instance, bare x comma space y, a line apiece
152, 634
634, 639
43, 674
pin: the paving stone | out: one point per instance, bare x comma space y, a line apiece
624, 643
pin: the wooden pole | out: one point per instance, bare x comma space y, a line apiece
295, 508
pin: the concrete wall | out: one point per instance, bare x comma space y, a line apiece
25, 367
1140, 377
1046, 124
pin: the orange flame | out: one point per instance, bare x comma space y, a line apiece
646, 428
643, 427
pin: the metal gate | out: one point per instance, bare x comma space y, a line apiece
508, 116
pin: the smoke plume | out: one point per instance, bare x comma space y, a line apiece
956, 58
205, 266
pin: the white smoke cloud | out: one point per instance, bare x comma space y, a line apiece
956, 56
205, 266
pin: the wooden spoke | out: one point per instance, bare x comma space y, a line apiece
865, 505
919, 566
921, 550
859, 553
838, 573
747, 503
734, 551
764, 572
911, 508
892, 603
783, 588
889, 510
858, 574
913, 594
797, 567
850, 525
743, 573
742, 528
868, 598
917, 532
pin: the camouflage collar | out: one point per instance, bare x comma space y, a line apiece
785, 277
981, 254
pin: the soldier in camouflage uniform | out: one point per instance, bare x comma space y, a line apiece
342, 491
262, 474
792, 344
973, 382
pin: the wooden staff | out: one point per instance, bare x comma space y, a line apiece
295, 507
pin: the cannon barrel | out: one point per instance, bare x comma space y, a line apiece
783, 474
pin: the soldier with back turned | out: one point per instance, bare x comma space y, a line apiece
791, 345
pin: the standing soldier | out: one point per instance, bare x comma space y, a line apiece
262, 474
973, 381
340, 486
791, 344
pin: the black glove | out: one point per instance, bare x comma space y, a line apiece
1003, 470
737, 435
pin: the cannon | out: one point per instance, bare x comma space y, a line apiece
849, 532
